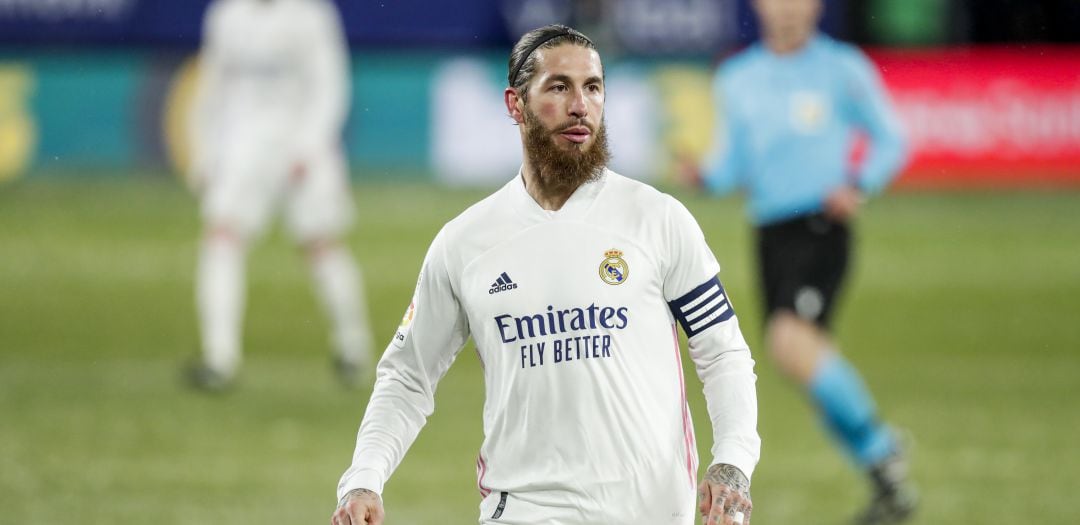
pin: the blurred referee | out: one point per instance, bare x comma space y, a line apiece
789, 109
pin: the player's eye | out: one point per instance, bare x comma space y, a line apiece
559, 88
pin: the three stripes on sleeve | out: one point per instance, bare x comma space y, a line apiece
702, 307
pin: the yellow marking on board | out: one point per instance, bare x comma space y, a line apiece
686, 95
177, 109
18, 130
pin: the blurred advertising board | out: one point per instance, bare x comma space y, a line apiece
640, 27
117, 22
988, 115
974, 117
173, 23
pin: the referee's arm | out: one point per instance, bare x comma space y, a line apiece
873, 113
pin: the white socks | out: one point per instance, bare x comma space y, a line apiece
220, 300
340, 287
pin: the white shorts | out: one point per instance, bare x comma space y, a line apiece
252, 180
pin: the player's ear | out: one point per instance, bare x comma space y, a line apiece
515, 106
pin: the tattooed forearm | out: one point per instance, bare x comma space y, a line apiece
356, 493
729, 475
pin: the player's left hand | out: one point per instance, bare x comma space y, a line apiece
843, 203
724, 496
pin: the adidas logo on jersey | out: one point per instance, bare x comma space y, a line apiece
502, 284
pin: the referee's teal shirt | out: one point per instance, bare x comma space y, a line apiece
786, 124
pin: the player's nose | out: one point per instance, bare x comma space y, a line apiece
578, 107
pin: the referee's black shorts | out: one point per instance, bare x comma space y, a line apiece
803, 262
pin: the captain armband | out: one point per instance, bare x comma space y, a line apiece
702, 307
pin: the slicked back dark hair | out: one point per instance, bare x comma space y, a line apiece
522, 64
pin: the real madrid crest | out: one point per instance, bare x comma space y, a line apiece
613, 269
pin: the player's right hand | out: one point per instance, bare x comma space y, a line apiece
359, 507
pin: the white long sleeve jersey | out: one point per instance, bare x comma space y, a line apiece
574, 316
273, 77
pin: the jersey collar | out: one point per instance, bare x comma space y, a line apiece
576, 207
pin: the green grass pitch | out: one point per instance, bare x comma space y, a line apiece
963, 314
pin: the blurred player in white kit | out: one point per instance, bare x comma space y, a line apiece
265, 131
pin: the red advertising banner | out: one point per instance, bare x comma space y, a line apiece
988, 116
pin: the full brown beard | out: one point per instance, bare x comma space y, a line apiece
561, 169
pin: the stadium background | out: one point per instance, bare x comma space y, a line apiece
963, 311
